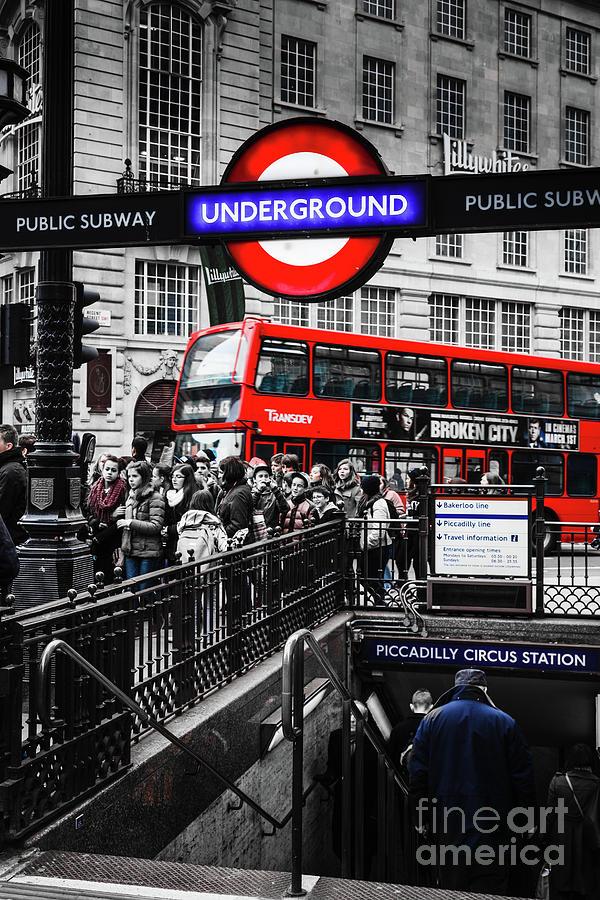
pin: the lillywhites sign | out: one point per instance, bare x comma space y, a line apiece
462, 654
458, 158
345, 208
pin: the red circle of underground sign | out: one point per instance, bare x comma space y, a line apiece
358, 259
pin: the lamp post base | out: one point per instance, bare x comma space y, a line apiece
53, 559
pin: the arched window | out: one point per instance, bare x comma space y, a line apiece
28, 136
170, 94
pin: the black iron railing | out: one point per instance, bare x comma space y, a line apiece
165, 640
127, 183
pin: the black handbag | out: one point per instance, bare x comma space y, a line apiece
591, 826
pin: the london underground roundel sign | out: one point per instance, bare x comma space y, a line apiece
315, 268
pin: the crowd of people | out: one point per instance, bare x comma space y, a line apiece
143, 516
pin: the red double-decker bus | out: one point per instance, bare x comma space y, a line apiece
257, 387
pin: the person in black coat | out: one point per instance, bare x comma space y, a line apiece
467, 754
9, 561
235, 509
13, 483
578, 876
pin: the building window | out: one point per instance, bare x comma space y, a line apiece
516, 327
515, 248
472, 321
450, 106
382, 8
336, 315
378, 90
166, 298
451, 18
291, 312
577, 51
577, 127
480, 323
7, 288
28, 136
594, 336
444, 318
576, 251
449, 246
298, 71
170, 95
517, 33
516, 122
26, 294
377, 311
571, 333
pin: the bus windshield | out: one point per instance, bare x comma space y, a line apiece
214, 359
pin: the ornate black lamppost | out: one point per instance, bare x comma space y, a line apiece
53, 560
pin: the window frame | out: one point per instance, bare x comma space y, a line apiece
573, 69
378, 99
286, 341
542, 457
536, 411
418, 356
307, 42
515, 143
571, 404
438, 130
473, 362
438, 12
317, 346
507, 49
190, 312
577, 457
569, 126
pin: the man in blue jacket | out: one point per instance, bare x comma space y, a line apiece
468, 755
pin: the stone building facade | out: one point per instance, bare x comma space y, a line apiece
176, 87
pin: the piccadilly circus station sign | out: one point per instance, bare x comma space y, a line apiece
307, 209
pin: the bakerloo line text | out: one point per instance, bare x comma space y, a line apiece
532, 200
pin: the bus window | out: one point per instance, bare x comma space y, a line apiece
524, 464
478, 385
366, 458
537, 391
211, 360
421, 380
399, 460
452, 465
498, 464
346, 372
282, 367
583, 395
474, 468
581, 474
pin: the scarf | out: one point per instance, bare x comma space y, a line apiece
102, 503
174, 497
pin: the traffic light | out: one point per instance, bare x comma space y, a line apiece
15, 329
84, 297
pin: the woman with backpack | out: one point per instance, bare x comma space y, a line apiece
200, 530
374, 538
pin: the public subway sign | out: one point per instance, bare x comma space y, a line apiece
533, 200
484, 536
413, 423
465, 654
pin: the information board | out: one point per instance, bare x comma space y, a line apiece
482, 536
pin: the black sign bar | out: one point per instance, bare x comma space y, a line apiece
92, 220
455, 203
562, 198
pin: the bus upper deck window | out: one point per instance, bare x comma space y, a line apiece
583, 395
282, 367
418, 380
478, 385
537, 391
346, 372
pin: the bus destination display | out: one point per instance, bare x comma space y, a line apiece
410, 423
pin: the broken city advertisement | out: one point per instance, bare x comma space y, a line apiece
445, 426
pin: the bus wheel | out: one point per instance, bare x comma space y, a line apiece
550, 538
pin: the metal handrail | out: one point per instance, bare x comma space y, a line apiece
292, 720
43, 707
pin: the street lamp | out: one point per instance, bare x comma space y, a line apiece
13, 81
